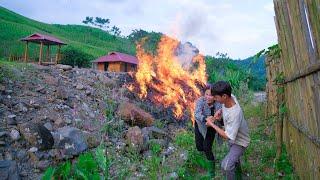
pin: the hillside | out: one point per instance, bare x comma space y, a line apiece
258, 71
58, 120
92, 41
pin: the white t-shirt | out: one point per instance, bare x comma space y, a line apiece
236, 127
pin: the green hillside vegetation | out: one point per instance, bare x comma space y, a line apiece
86, 43
89, 40
242, 74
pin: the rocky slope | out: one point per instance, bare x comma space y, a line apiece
49, 114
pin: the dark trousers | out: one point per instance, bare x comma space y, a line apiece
205, 144
231, 163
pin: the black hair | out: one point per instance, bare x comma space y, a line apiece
220, 88
205, 87
208, 86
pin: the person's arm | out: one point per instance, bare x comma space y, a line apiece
198, 113
218, 107
220, 131
231, 130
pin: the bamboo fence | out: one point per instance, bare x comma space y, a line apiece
298, 30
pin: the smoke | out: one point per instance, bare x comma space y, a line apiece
185, 53
193, 24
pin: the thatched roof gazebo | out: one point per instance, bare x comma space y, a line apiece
43, 40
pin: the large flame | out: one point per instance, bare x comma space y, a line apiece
171, 84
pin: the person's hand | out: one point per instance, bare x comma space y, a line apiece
218, 114
209, 122
210, 118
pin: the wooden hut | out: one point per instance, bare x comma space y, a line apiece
116, 62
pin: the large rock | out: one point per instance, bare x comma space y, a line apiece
71, 140
93, 139
9, 170
50, 80
20, 107
64, 67
134, 138
14, 134
134, 115
154, 132
106, 81
62, 93
11, 120
37, 135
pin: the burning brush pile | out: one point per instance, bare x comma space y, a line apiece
172, 78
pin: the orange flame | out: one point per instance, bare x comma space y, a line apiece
175, 86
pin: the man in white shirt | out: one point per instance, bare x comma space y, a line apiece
236, 128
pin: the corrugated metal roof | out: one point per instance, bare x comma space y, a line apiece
37, 38
117, 57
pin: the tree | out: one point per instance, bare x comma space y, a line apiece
115, 31
75, 57
151, 39
101, 22
137, 35
88, 20
98, 22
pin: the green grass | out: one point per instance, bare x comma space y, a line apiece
13, 71
88, 166
259, 158
196, 165
92, 41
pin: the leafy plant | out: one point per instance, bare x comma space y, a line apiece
49, 174
184, 140
155, 148
103, 161
110, 109
86, 168
63, 171
153, 164
74, 57
279, 79
273, 51
112, 126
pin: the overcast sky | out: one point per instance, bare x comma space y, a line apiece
240, 28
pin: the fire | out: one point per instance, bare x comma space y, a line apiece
171, 83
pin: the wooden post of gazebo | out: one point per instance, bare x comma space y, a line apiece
26, 53
40, 53
58, 54
43, 40
48, 54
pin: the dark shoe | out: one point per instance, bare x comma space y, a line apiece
238, 171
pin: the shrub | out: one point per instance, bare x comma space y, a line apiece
75, 57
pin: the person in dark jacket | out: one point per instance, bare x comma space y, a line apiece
204, 135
